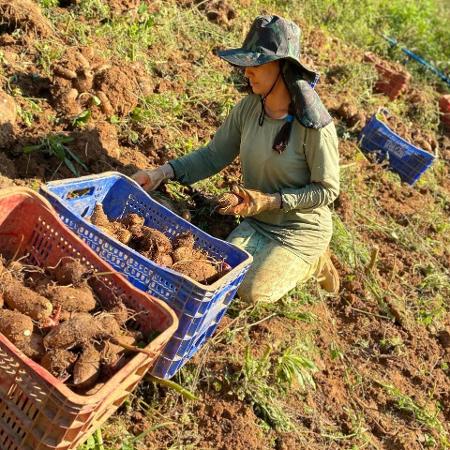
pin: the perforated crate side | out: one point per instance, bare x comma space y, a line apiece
408, 161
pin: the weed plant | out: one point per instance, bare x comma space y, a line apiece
55, 145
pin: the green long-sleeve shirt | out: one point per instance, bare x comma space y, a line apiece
306, 174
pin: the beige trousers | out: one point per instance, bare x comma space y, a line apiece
275, 269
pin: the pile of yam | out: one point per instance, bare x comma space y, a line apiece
55, 318
179, 253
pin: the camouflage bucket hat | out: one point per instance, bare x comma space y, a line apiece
270, 38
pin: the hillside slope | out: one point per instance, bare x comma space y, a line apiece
368, 368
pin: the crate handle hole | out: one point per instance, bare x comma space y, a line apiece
83, 214
79, 193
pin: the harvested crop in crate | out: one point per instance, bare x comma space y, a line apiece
55, 318
178, 253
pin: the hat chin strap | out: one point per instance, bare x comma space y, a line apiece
263, 98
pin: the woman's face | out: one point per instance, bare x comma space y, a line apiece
262, 77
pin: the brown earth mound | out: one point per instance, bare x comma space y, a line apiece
23, 14
82, 81
8, 112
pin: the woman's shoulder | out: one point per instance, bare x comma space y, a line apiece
326, 132
248, 102
245, 107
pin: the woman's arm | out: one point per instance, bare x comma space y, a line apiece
321, 149
211, 159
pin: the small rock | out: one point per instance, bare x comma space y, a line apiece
444, 338
8, 110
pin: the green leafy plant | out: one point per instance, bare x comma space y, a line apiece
55, 145
293, 367
82, 119
46, 4
255, 387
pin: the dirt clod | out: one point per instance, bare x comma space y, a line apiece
23, 14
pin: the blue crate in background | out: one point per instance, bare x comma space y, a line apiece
199, 307
408, 161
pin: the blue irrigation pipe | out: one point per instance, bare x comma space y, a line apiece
419, 59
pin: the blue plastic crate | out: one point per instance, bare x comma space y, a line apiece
199, 307
408, 161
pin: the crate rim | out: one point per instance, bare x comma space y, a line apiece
135, 361
108, 174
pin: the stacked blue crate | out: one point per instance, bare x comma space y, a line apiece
199, 307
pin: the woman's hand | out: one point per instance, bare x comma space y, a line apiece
251, 202
150, 179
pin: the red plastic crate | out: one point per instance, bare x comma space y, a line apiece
37, 411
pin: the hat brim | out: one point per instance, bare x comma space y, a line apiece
243, 58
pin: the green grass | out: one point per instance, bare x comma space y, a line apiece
422, 415
421, 26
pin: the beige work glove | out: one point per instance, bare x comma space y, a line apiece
150, 179
251, 202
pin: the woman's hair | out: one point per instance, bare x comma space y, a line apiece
282, 138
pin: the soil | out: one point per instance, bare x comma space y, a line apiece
216, 11
82, 81
24, 15
7, 119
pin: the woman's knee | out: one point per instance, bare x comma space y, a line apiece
251, 291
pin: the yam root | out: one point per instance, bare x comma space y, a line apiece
17, 327
58, 362
71, 299
133, 219
182, 253
34, 349
87, 368
154, 241
70, 271
99, 217
123, 236
228, 200
108, 324
200, 271
112, 355
76, 331
163, 260
26, 301
186, 240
